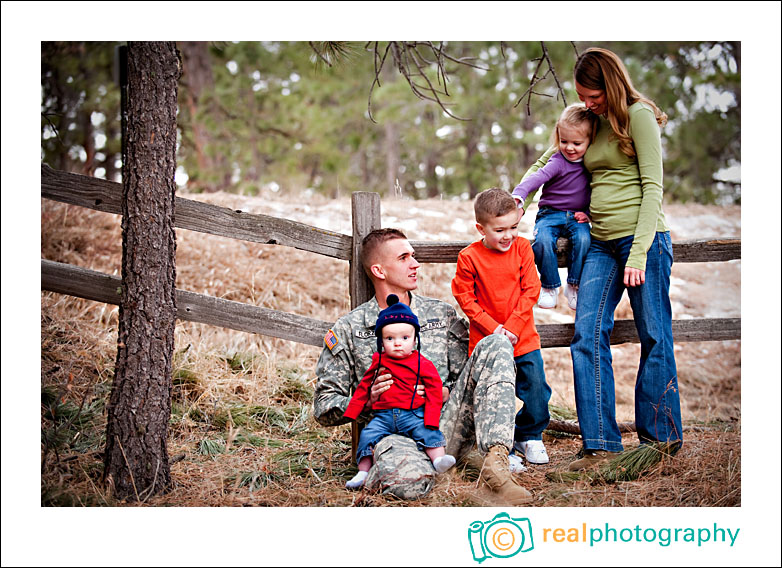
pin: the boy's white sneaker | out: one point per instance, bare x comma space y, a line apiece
534, 451
548, 297
515, 463
571, 293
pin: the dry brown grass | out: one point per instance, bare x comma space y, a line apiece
242, 432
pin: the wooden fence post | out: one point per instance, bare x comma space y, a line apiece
365, 208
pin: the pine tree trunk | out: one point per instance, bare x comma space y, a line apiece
136, 460
470, 155
197, 78
391, 143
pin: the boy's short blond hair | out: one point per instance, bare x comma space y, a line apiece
491, 203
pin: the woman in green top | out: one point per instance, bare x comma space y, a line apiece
631, 248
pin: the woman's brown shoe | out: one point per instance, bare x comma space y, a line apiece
591, 458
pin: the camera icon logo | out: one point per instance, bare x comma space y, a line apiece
501, 537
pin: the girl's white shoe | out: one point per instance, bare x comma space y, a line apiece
548, 297
571, 293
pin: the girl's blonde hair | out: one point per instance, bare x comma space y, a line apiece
577, 116
601, 69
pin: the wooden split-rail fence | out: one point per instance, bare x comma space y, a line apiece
103, 195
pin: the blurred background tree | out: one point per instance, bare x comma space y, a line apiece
80, 101
293, 117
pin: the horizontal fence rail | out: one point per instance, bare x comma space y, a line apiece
199, 308
106, 196
702, 250
100, 287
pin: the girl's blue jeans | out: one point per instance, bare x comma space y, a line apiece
550, 224
408, 423
532, 389
657, 412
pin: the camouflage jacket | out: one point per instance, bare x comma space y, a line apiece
350, 343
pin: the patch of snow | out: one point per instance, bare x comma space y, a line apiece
703, 227
425, 212
460, 226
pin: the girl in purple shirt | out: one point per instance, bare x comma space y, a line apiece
564, 203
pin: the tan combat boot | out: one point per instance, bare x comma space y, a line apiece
497, 477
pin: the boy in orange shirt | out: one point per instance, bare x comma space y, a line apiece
496, 285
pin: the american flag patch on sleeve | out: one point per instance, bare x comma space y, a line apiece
330, 340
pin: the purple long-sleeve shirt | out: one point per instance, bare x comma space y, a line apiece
565, 185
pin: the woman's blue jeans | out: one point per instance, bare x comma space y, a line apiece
657, 412
550, 224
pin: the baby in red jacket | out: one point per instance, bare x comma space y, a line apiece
400, 409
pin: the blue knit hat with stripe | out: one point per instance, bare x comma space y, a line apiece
396, 312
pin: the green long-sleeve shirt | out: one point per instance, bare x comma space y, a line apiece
627, 193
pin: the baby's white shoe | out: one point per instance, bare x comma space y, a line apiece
516, 465
358, 480
548, 297
443, 463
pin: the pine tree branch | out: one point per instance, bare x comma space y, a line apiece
535, 79
54, 128
378, 69
553, 71
319, 54
411, 60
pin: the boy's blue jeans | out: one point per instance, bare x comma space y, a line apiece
532, 389
657, 412
408, 423
550, 224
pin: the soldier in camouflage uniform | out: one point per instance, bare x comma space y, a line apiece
479, 407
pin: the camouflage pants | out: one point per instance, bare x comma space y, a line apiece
480, 410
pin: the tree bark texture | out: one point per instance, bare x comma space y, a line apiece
136, 460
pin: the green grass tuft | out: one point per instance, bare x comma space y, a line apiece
627, 466
562, 412
563, 476
241, 362
67, 425
211, 447
254, 416
294, 390
630, 465
252, 480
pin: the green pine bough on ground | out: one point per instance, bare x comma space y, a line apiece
627, 466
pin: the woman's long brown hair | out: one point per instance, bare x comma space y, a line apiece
601, 69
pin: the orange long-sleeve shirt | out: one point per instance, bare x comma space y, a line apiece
499, 288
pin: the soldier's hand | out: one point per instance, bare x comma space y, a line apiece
382, 384
510, 335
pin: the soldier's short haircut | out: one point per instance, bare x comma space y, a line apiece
491, 203
371, 244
